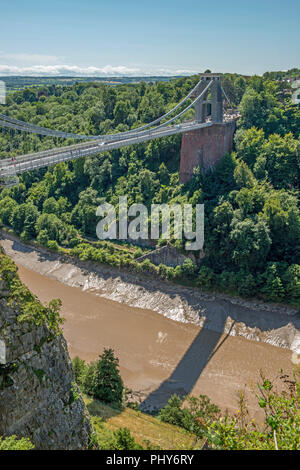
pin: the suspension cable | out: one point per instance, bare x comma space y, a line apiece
52, 132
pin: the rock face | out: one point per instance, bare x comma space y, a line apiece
38, 396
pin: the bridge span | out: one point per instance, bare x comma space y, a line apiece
160, 127
62, 154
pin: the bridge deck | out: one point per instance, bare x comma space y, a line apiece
51, 157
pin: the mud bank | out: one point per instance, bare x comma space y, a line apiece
167, 342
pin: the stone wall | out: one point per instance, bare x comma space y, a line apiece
204, 148
38, 396
167, 255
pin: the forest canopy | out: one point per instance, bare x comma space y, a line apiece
252, 218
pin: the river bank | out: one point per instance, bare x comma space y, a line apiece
169, 339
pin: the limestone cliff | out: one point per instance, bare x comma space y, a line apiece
38, 396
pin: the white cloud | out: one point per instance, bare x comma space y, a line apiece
42, 69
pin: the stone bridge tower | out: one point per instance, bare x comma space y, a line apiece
205, 147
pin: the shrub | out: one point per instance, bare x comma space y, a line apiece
280, 429
14, 443
205, 277
273, 287
80, 369
247, 284
124, 441
189, 268
52, 245
162, 270
74, 242
148, 266
195, 416
43, 238
138, 252
106, 439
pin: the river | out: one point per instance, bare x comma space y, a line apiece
158, 355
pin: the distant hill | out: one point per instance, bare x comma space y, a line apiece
14, 83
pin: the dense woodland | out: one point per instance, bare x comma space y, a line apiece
252, 218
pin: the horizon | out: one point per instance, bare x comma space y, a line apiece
141, 76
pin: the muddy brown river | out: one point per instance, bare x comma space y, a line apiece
158, 355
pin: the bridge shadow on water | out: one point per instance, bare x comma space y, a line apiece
188, 370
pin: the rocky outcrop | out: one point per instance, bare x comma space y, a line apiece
38, 396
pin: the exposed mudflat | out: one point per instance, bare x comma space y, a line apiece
168, 338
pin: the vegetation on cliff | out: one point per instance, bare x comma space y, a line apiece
18, 295
13, 443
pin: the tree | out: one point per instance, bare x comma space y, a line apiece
90, 379
249, 144
108, 382
240, 88
273, 286
250, 244
84, 213
50, 206
243, 176
195, 416
31, 216
282, 160
17, 218
163, 174
7, 206
80, 369
121, 110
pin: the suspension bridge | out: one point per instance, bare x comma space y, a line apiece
160, 127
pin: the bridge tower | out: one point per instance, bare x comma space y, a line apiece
205, 147
216, 101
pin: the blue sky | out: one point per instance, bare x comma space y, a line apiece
113, 37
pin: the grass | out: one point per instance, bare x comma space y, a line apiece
143, 427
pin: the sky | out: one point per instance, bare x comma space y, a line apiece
155, 37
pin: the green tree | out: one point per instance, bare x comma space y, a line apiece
80, 369
108, 383
250, 244
273, 286
243, 176
7, 206
121, 110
